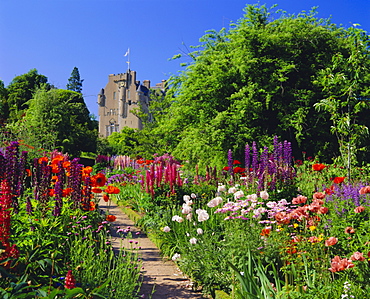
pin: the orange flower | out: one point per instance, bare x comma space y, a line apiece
28, 171
92, 206
86, 171
57, 159
106, 197
51, 192
54, 168
66, 164
43, 159
96, 190
111, 218
112, 190
339, 179
265, 232
349, 230
98, 180
318, 167
331, 241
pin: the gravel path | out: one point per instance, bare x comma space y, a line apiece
159, 274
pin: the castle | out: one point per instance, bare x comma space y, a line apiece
121, 95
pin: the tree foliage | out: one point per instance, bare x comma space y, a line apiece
21, 90
58, 119
252, 82
75, 81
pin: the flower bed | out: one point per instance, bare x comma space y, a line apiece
54, 240
304, 235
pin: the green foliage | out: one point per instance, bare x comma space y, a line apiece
75, 82
21, 90
57, 119
250, 83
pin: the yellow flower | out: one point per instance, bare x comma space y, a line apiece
312, 228
295, 225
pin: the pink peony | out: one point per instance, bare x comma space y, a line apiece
338, 264
331, 241
365, 190
359, 209
357, 256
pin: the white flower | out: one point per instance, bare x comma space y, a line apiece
202, 215
271, 204
221, 188
232, 190
186, 209
238, 194
214, 202
193, 195
176, 256
199, 231
166, 229
252, 197
177, 218
186, 198
264, 195
188, 216
193, 241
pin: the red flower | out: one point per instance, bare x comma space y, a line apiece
112, 190
105, 197
265, 232
238, 169
318, 167
338, 179
96, 190
70, 281
236, 162
43, 159
226, 168
111, 218
365, 190
98, 180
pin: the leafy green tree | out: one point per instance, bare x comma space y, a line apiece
21, 90
75, 81
58, 119
3, 103
347, 93
250, 83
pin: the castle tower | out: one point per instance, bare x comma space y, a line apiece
116, 101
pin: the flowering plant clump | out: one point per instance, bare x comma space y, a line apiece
50, 225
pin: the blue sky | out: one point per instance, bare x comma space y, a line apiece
54, 36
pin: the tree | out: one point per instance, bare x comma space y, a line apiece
21, 90
75, 82
253, 82
58, 119
3, 103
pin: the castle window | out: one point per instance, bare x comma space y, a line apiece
114, 95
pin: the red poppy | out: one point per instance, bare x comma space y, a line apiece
226, 168
43, 159
141, 161
236, 162
96, 190
238, 169
338, 179
318, 167
112, 190
98, 180
106, 197
67, 192
329, 191
57, 159
111, 218
28, 171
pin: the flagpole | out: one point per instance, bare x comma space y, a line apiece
128, 59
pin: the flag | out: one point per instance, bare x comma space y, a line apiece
128, 52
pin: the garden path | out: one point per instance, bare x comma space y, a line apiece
159, 273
